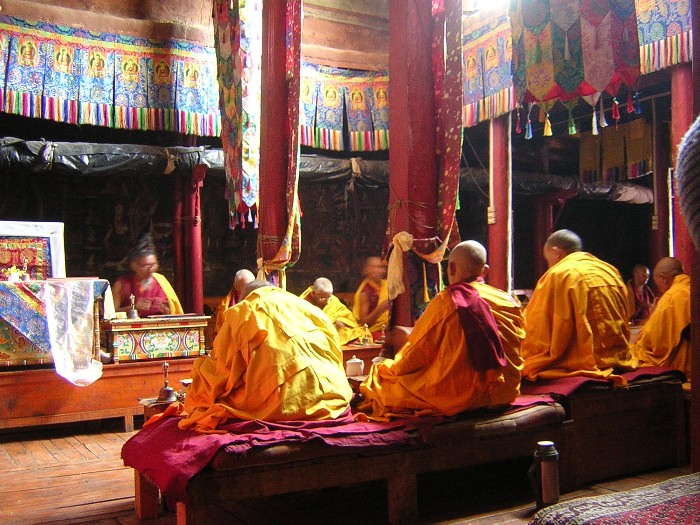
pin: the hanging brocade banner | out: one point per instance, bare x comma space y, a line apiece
665, 29
81, 77
332, 99
565, 49
251, 85
486, 62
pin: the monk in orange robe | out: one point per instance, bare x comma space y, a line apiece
665, 338
371, 302
241, 278
453, 359
320, 294
276, 358
576, 322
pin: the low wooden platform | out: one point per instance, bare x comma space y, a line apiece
41, 397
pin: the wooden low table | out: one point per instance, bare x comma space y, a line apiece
41, 397
156, 337
366, 353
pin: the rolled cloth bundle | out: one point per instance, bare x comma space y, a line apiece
688, 176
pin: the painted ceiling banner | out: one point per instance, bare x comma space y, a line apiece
82, 77
664, 28
332, 98
486, 62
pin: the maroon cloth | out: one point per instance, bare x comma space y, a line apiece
643, 299
565, 386
480, 328
169, 456
154, 291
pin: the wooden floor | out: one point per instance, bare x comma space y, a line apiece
73, 474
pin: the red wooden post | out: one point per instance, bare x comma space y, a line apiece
273, 131
681, 119
412, 159
193, 243
659, 233
500, 218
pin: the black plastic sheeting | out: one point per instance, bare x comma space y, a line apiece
92, 159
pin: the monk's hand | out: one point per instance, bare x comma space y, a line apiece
384, 305
143, 304
338, 325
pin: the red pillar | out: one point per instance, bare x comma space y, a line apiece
178, 249
412, 158
273, 130
194, 298
695, 270
681, 119
500, 208
659, 233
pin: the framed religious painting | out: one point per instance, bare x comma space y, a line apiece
31, 250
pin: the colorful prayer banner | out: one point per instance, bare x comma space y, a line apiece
664, 28
486, 62
332, 98
80, 77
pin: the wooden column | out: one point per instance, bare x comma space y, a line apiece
695, 270
500, 217
194, 298
681, 119
659, 232
412, 159
273, 130
178, 245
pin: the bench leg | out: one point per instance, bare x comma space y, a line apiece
402, 495
146, 498
129, 423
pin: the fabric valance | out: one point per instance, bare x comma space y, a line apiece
81, 77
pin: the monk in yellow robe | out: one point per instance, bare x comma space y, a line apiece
241, 278
453, 359
576, 322
665, 338
320, 294
371, 302
276, 358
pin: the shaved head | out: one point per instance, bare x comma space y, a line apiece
560, 244
242, 278
323, 285
665, 272
253, 285
467, 262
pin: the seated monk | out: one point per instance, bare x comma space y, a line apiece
665, 338
241, 278
453, 359
576, 322
153, 294
320, 294
371, 302
276, 358
640, 298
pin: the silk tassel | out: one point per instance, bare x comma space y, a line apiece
630, 102
601, 115
517, 121
637, 104
572, 124
594, 124
615, 111
547, 126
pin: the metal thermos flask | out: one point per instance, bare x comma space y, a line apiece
544, 474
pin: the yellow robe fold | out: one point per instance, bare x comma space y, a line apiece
660, 342
224, 305
576, 322
337, 311
383, 293
276, 358
173, 302
432, 373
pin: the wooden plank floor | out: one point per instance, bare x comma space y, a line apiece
73, 474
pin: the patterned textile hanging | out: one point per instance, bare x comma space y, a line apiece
664, 28
486, 62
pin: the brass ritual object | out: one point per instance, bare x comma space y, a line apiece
166, 394
133, 313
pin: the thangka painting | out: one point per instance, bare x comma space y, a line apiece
664, 33
79, 77
487, 47
332, 98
